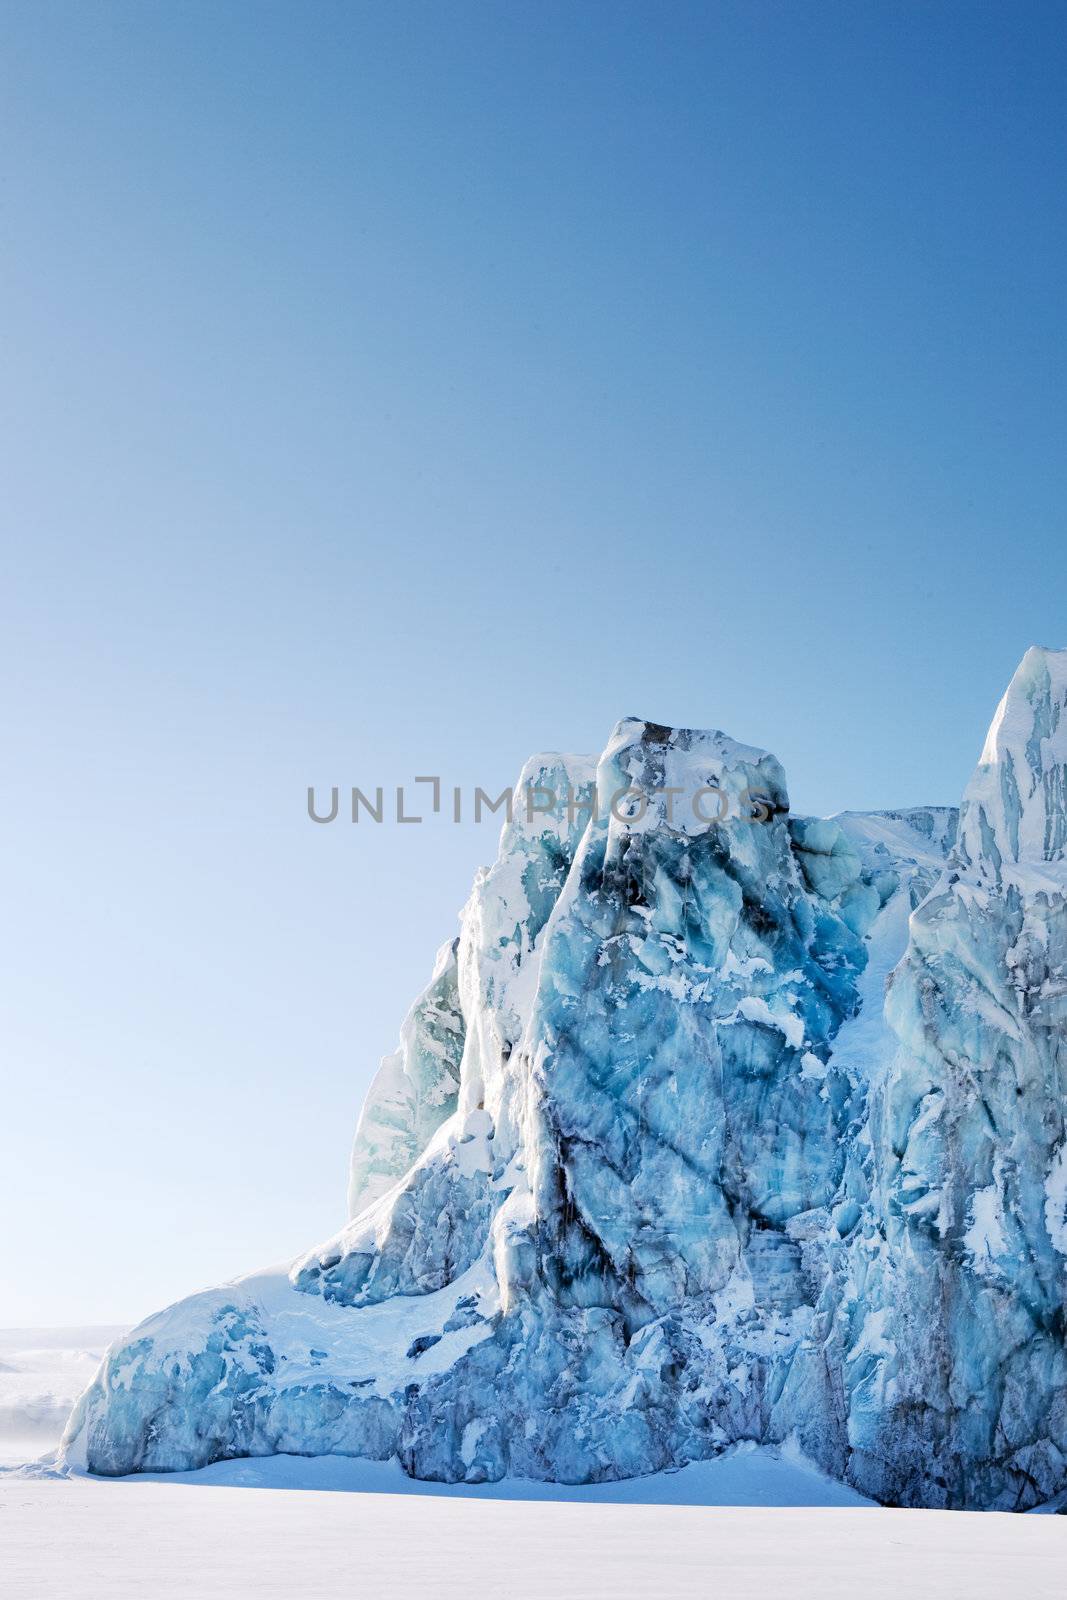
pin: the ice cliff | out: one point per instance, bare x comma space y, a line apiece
702, 1131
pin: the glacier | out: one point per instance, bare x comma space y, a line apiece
702, 1131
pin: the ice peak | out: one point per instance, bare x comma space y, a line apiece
1015, 806
635, 731
658, 760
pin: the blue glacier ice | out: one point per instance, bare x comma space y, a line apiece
713, 1124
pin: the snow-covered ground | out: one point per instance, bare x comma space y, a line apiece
239, 1531
753, 1523
42, 1372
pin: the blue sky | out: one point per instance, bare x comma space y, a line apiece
402, 389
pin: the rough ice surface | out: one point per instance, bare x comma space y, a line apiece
708, 1128
414, 1090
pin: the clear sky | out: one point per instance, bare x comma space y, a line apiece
397, 389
